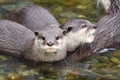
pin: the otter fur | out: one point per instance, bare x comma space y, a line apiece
34, 17
15, 38
79, 31
21, 41
37, 18
107, 33
49, 35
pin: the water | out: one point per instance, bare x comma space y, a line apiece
97, 67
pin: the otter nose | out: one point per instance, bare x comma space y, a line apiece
95, 27
50, 44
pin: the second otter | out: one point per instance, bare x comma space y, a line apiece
79, 31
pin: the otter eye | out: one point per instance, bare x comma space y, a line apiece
84, 26
69, 29
43, 38
36, 33
58, 37
95, 27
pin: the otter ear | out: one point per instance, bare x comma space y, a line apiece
36, 33
67, 30
84, 26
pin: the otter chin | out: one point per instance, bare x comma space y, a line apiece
51, 50
90, 38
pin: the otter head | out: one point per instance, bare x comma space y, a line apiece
78, 31
49, 44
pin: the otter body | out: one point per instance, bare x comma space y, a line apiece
34, 17
50, 43
108, 28
14, 38
107, 33
21, 41
79, 31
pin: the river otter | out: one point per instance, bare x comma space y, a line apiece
46, 27
36, 18
79, 32
21, 41
107, 33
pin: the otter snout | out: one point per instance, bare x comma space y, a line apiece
50, 43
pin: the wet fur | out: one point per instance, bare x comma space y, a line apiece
14, 37
41, 54
78, 33
107, 33
33, 17
41, 22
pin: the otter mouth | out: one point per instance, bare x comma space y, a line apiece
51, 51
90, 38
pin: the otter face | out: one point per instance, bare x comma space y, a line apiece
78, 32
49, 45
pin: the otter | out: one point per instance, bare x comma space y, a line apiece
35, 18
46, 27
79, 31
107, 33
21, 41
